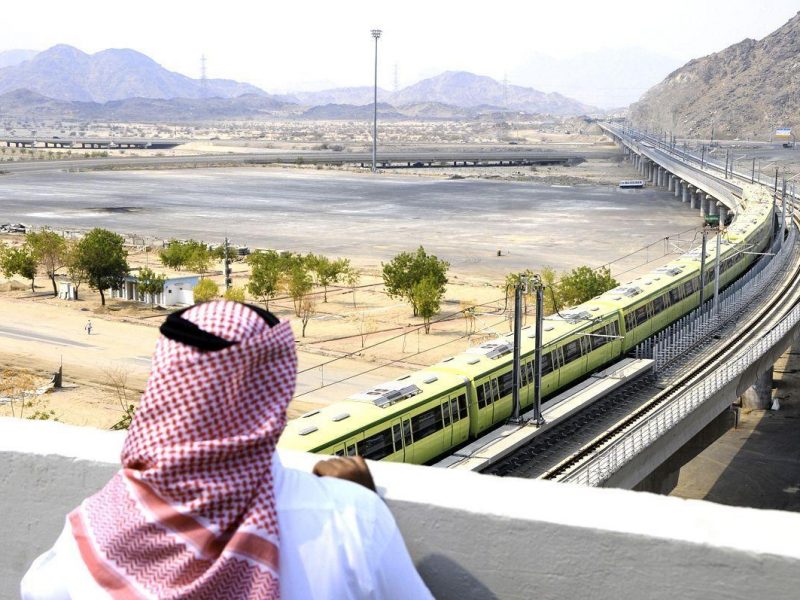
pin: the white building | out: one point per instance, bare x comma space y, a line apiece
177, 290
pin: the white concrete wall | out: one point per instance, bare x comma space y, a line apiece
471, 535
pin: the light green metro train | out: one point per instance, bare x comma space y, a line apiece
425, 414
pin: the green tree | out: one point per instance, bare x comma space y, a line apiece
266, 269
351, 277
327, 271
205, 290
102, 256
150, 283
173, 256
236, 294
584, 283
50, 252
198, 257
551, 293
427, 297
308, 308
190, 254
77, 275
406, 270
19, 261
298, 283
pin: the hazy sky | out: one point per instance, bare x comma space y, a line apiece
311, 44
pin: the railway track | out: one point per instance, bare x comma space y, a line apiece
633, 401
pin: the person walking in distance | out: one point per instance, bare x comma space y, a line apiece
88, 327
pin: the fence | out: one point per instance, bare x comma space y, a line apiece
686, 333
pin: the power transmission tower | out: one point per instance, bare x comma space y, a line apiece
203, 78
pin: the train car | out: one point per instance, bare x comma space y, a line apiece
423, 415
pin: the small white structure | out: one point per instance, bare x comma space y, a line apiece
66, 290
177, 290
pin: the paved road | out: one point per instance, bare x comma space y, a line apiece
28, 335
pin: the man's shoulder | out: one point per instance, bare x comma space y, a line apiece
302, 490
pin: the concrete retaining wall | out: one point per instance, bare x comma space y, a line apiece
471, 535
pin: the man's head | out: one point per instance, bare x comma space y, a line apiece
214, 405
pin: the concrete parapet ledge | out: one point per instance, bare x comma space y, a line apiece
471, 535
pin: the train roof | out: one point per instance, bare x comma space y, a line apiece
382, 402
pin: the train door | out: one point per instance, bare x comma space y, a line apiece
408, 441
447, 424
397, 439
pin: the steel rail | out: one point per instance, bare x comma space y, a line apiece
783, 300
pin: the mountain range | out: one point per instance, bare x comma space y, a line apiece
107, 83
748, 89
66, 73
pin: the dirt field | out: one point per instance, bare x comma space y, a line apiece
355, 340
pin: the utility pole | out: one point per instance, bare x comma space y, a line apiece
519, 289
783, 211
703, 268
203, 77
727, 161
753, 174
227, 266
703, 156
716, 273
376, 33
537, 353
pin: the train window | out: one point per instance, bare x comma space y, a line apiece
398, 438
495, 390
641, 314
529, 369
524, 373
601, 341
547, 363
407, 433
630, 321
675, 295
688, 289
612, 329
446, 413
339, 452
506, 384
481, 396
462, 406
571, 351
376, 446
426, 423
454, 409
351, 450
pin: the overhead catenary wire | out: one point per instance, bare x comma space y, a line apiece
383, 365
447, 317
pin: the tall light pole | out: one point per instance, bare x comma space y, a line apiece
376, 33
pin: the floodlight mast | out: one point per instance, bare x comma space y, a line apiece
376, 33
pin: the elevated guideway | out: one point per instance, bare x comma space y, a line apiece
624, 437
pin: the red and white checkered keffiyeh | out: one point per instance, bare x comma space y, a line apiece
191, 514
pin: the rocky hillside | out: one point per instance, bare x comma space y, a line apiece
459, 88
746, 90
24, 104
66, 73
